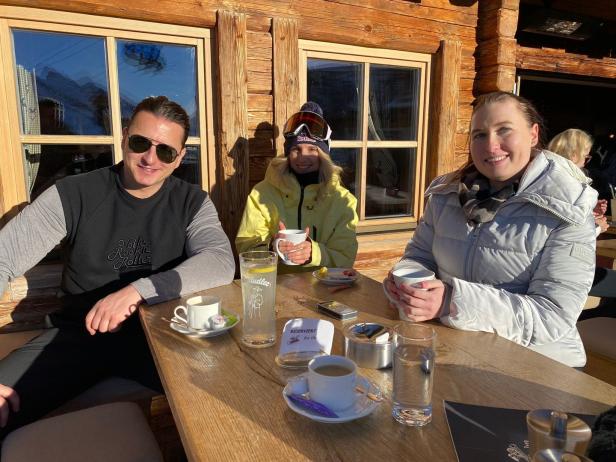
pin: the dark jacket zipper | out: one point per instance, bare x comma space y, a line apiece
299, 208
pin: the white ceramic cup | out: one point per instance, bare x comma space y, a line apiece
337, 392
295, 236
198, 311
411, 277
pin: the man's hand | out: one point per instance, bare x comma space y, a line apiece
8, 398
602, 223
111, 311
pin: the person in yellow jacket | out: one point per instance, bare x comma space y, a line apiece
302, 190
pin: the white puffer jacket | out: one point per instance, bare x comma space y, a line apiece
526, 274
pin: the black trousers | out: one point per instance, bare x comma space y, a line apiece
604, 286
65, 360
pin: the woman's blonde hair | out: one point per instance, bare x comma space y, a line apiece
528, 110
328, 170
572, 144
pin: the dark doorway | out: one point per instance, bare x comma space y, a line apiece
576, 103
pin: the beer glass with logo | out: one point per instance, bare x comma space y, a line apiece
258, 270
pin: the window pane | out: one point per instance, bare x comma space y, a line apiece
47, 163
348, 159
336, 86
147, 69
61, 83
393, 101
389, 182
190, 168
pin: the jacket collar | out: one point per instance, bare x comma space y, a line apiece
550, 182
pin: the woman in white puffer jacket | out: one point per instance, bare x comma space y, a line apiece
510, 237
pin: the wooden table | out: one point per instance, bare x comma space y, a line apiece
227, 400
606, 248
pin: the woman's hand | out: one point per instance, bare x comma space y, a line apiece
600, 208
418, 303
297, 253
602, 223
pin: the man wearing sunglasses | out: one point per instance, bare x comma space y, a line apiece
132, 234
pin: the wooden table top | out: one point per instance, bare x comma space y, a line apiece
227, 402
606, 248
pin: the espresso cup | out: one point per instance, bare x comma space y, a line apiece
332, 381
198, 311
295, 236
411, 277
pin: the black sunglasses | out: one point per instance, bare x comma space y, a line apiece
140, 144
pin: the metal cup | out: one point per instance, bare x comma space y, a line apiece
549, 429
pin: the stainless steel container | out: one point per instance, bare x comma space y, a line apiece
369, 344
548, 429
555, 455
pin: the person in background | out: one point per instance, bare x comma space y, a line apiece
302, 190
510, 237
132, 234
575, 144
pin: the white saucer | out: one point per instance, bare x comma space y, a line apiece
183, 329
336, 276
362, 407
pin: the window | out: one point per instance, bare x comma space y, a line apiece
72, 81
375, 101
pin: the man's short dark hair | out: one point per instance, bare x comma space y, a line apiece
162, 106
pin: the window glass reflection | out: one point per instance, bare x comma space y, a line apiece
389, 182
47, 163
61, 83
336, 86
147, 68
393, 101
190, 168
348, 159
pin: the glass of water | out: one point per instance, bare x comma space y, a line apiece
258, 269
414, 367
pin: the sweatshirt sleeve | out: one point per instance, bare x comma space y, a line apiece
210, 261
31, 235
553, 302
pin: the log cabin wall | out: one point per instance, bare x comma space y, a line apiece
263, 54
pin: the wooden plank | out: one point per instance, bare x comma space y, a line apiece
286, 74
260, 103
233, 127
259, 81
258, 166
258, 120
444, 116
497, 51
498, 22
560, 61
495, 78
260, 45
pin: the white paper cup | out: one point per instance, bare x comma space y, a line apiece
337, 392
411, 277
295, 236
198, 311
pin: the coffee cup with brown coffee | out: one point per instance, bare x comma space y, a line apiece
332, 380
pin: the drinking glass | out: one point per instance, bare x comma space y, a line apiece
258, 270
414, 367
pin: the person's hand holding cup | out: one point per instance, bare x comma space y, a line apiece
416, 293
292, 245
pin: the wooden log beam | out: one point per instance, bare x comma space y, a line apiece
232, 154
560, 61
444, 114
497, 24
286, 75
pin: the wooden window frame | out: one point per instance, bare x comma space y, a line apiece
367, 56
12, 173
